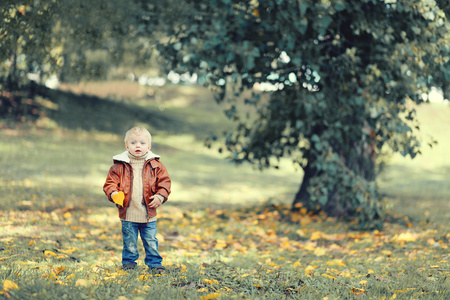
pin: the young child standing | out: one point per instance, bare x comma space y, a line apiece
142, 182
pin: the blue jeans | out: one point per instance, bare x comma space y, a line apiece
130, 254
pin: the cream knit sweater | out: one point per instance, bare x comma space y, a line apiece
137, 210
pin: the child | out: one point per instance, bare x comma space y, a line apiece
144, 184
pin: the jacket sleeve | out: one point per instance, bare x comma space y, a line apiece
163, 183
112, 182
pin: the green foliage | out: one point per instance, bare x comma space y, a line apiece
26, 34
348, 74
77, 39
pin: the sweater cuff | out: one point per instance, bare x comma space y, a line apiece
160, 197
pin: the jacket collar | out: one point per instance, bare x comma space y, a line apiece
125, 158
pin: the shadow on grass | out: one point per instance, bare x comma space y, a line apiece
93, 113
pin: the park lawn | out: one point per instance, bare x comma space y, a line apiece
227, 232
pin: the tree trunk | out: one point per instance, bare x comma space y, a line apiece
302, 195
360, 161
11, 81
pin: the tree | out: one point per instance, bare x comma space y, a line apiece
78, 39
72, 39
25, 38
348, 76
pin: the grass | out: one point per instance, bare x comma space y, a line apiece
227, 232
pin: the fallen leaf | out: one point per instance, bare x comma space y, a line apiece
406, 237
82, 282
210, 296
49, 253
9, 285
357, 291
328, 276
59, 270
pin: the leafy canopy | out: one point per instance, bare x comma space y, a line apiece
347, 75
77, 39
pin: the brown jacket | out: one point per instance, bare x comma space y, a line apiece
155, 179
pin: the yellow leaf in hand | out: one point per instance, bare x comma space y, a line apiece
118, 198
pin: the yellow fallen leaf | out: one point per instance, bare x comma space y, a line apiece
183, 268
118, 198
345, 274
328, 276
363, 282
67, 251
210, 296
357, 291
319, 251
160, 237
96, 231
402, 291
297, 264
309, 269
209, 281
81, 282
336, 262
301, 232
221, 244
48, 253
9, 285
81, 235
317, 235
406, 237
59, 270
142, 277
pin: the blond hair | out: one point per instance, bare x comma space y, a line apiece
138, 131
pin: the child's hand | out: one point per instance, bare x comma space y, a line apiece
156, 201
118, 197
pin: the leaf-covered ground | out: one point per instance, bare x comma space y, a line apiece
225, 233
253, 253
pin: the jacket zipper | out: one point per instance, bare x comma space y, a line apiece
146, 204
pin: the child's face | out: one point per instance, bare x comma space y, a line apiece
138, 145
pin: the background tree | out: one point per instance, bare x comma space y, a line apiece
26, 39
72, 40
79, 39
348, 76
